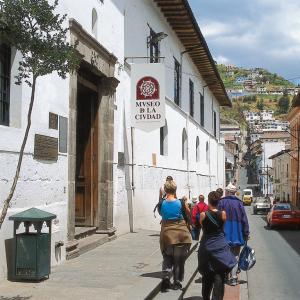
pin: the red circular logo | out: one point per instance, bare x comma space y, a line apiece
147, 88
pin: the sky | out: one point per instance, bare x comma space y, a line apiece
253, 33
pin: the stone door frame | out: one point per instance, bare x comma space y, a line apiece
102, 63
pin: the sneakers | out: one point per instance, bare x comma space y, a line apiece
232, 281
165, 285
177, 285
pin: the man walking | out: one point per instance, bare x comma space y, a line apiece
197, 210
236, 227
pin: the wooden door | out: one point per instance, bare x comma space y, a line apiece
86, 175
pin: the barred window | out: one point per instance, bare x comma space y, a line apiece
176, 81
5, 56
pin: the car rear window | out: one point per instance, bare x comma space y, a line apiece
247, 193
282, 206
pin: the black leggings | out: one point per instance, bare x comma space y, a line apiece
174, 257
213, 282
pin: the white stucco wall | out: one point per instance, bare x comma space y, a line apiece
203, 175
44, 184
122, 29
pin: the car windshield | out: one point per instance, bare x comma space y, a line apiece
247, 193
262, 200
282, 206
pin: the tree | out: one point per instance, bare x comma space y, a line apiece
249, 98
284, 103
260, 104
32, 27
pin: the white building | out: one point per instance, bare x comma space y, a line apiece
104, 174
267, 115
281, 162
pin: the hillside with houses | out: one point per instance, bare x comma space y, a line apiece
254, 81
256, 89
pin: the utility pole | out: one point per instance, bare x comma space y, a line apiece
298, 152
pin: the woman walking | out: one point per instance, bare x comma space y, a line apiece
175, 238
214, 256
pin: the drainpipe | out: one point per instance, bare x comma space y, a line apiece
187, 121
188, 156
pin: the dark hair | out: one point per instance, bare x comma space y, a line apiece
169, 178
213, 198
220, 192
201, 198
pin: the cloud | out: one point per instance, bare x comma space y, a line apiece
257, 33
222, 59
212, 29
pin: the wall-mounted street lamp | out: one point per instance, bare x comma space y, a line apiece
156, 38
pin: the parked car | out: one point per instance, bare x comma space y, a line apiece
247, 196
283, 215
261, 204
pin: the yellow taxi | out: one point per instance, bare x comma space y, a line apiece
247, 196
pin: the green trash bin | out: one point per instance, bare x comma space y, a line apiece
32, 248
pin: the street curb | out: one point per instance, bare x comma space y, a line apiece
244, 288
188, 284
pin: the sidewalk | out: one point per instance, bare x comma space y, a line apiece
238, 292
107, 272
127, 268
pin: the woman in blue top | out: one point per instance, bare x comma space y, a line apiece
175, 238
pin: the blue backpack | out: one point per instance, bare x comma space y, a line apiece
247, 258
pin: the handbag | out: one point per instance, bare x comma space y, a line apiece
247, 258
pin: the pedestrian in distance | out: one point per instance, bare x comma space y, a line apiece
236, 227
220, 192
194, 202
197, 210
215, 258
175, 237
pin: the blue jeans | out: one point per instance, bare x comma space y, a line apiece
195, 233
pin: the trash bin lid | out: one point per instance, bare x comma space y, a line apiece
32, 214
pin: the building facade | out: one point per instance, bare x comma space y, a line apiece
281, 163
104, 174
294, 119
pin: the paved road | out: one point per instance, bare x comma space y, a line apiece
276, 274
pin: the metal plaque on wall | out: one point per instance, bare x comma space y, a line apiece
53, 121
45, 147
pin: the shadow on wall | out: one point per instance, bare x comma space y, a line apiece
15, 298
9, 250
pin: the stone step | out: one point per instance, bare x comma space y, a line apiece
91, 242
87, 239
82, 232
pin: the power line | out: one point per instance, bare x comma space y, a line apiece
293, 78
